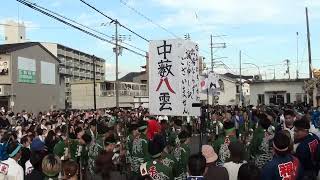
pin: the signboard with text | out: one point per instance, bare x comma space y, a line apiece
173, 78
26, 70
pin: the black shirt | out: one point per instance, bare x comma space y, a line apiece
25, 156
35, 175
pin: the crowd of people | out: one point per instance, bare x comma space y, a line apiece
238, 143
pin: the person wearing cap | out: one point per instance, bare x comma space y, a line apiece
37, 147
221, 144
308, 150
283, 165
155, 168
10, 169
212, 170
182, 152
139, 147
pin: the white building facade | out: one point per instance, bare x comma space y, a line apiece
277, 92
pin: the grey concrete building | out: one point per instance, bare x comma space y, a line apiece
76, 66
131, 94
29, 78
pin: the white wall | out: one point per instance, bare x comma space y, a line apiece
226, 97
292, 87
52, 47
141, 100
14, 32
82, 98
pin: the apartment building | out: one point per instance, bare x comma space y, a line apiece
76, 66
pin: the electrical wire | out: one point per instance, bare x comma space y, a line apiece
64, 17
113, 20
31, 5
147, 18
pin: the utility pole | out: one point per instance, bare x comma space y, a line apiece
297, 55
315, 89
219, 45
288, 67
117, 62
211, 48
309, 44
94, 83
240, 97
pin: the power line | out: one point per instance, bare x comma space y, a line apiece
32, 6
83, 25
147, 18
114, 20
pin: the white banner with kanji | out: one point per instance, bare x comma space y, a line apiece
173, 78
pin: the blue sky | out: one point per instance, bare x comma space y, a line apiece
264, 30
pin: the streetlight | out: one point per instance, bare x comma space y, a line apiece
255, 66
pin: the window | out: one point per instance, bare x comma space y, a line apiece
237, 89
288, 98
20, 37
276, 99
260, 98
298, 98
6, 38
272, 99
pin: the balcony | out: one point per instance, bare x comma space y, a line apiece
76, 65
69, 63
69, 71
85, 66
82, 74
63, 60
76, 73
69, 53
124, 93
61, 51
62, 70
98, 77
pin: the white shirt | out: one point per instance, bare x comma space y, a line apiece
291, 131
233, 169
29, 167
11, 170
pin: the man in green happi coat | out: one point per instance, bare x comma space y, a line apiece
159, 167
66, 148
182, 152
138, 149
221, 144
